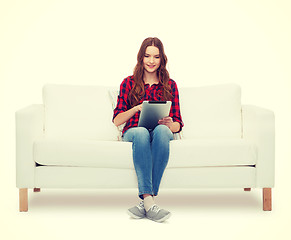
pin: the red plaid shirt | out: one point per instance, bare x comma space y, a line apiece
152, 93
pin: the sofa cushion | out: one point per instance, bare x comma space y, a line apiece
83, 153
78, 112
113, 93
114, 154
212, 152
211, 111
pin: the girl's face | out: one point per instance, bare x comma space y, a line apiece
151, 60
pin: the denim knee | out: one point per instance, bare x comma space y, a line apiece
163, 132
139, 134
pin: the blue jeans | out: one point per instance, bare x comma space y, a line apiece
150, 156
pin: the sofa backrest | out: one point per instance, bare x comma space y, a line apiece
211, 111
78, 112
86, 111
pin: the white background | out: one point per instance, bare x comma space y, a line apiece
96, 43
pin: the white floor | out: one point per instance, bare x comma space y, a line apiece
101, 214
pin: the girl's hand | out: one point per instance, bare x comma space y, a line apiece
168, 121
138, 108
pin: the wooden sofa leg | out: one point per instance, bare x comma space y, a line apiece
247, 189
36, 189
23, 200
267, 199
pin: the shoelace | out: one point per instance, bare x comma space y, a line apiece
141, 205
155, 208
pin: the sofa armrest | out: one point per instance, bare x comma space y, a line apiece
259, 127
29, 126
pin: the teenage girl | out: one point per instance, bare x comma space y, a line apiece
150, 81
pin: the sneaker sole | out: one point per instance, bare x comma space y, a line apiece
134, 216
162, 219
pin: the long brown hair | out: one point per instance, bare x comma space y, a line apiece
137, 92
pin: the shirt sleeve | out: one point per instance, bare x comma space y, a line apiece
175, 112
122, 100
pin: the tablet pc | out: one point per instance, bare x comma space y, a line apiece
152, 112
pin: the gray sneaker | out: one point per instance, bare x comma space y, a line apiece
158, 215
138, 211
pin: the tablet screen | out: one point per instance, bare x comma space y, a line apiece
152, 112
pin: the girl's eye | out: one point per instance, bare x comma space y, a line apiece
149, 56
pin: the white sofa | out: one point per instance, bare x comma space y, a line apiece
69, 141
